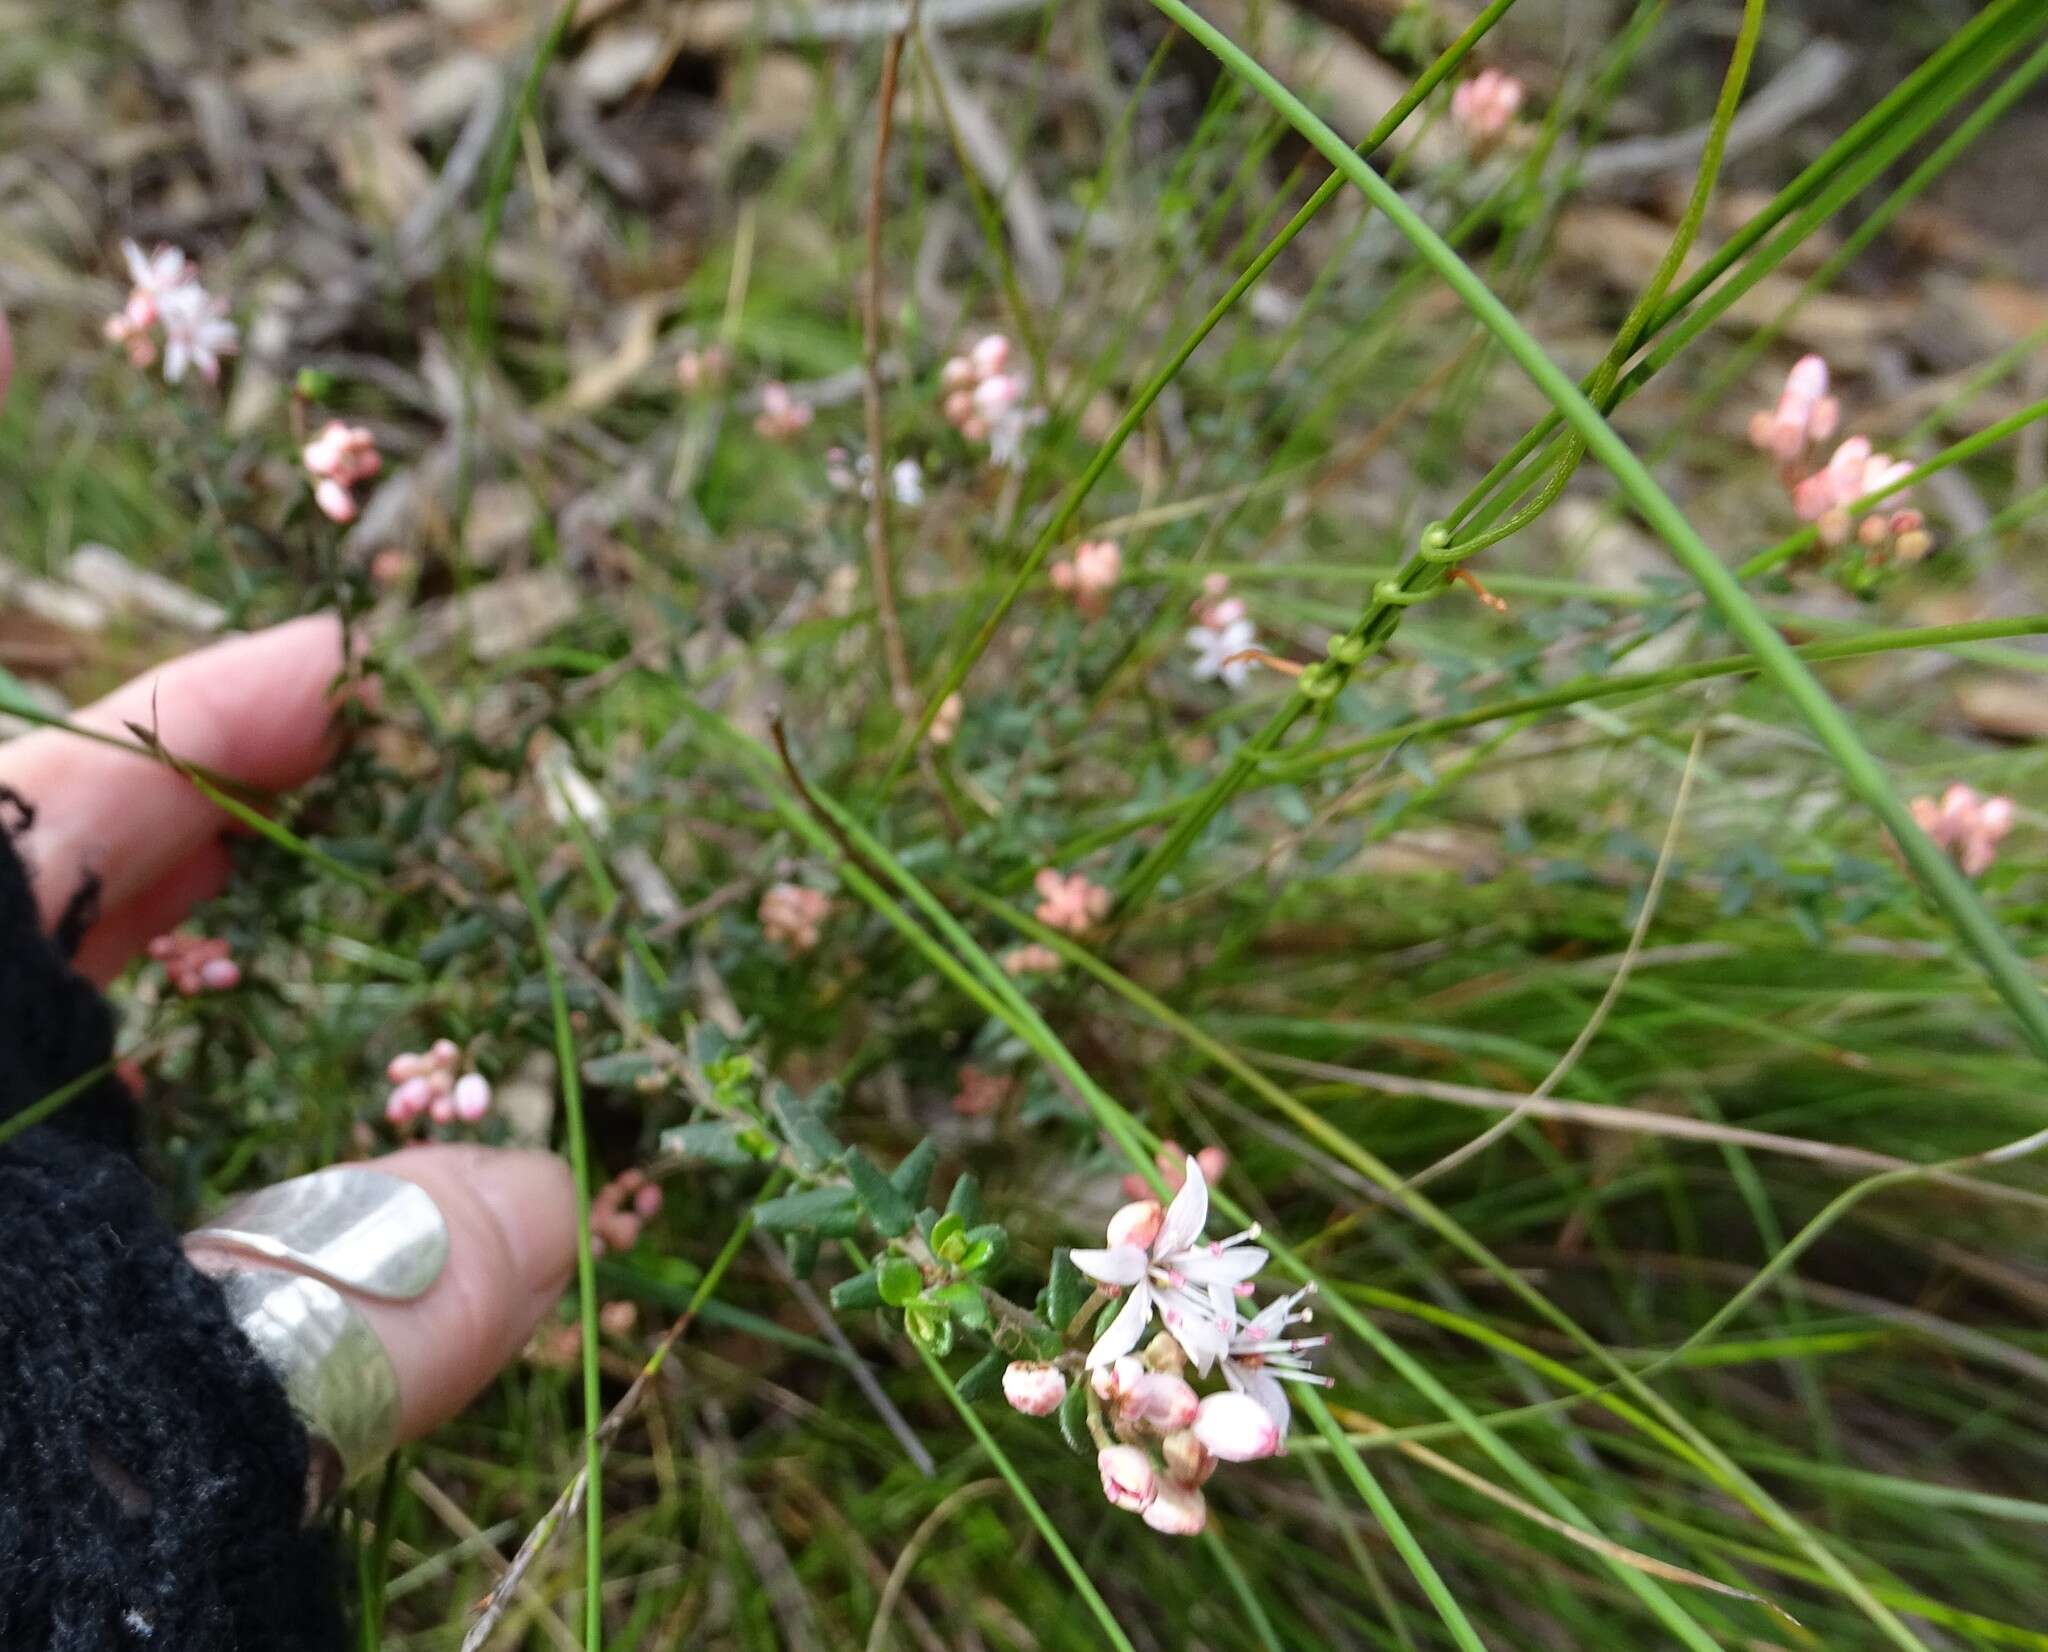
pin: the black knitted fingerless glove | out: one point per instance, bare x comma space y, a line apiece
152, 1476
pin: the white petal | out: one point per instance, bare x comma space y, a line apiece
1224, 1267
1272, 1394
1119, 1265
1203, 1337
1124, 1330
1186, 1216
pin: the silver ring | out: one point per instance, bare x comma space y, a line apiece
284, 1257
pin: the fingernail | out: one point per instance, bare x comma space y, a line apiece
526, 1192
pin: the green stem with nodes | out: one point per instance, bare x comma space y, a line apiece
1947, 887
1070, 507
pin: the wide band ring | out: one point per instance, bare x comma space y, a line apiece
288, 1260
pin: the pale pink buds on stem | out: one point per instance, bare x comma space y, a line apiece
196, 964
340, 459
1069, 903
1128, 1478
1236, 1428
1805, 417
791, 916
984, 398
1966, 825
430, 1084
783, 415
1485, 106
1089, 575
622, 1207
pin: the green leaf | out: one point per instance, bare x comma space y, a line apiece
983, 1377
948, 1238
898, 1281
863, 1290
1074, 1419
816, 1147
886, 1206
987, 1245
930, 1328
965, 1199
816, 1208
802, 1251
1066, 1290
714, 1141
913, 1177
621, 1068
962, 1299
464, 936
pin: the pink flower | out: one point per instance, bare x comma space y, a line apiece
986, 401
1170, 1157
1967, 825
1485, 105
946, 720
791, 915
782, 414
197, 332
1236, 1428
196, 964
1192, 1281
338, 459
1177, 1510
1853, 472
1070, 903
1034, 959
1223, 651
1090, 576
1806, 415
1128, 1479
1033, 1387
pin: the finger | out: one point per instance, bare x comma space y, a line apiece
255, 709
511, 1244
120, 935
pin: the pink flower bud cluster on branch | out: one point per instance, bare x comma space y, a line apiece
1793, 432
986, 399
1966, 824
431, 1084
196, 963
783, 414
1089, 575
1070, 903
791, 916
339, 460
169, 312
622, 1207
1160, 1439
1485, 106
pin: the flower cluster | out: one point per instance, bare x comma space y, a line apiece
1793, 432
1222, 635
700, 369
783, 414
430, 1083
1170, 1157
1090, 574
1030, 959
791, 915
1967, 825
846, 473
1485, 107
340, 459
1070, 903
196, 963
1142, 1404
165, 298
986, 399
622, 1207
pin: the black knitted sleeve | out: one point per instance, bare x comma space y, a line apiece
152, 1475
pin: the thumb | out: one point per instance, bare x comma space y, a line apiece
511, 1244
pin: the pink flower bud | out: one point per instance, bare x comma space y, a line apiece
647, 1202
413, 1096
1128, 1480
991, 354
1178, 1510
220, 975
1163, 1401
1236, 1428
1136, 1224
396, 1109
471, 1097
957, 374
1187, 1459
336, 503
1112, 1381
403, 1066
444, 1052
443, 1110
1033, 1387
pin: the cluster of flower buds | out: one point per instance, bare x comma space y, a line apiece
791, 915
783, 414
986, 399
1159, 1439
1170, 1158
165, 298
559, 1346
698, 370
1793, 432
1967, 825
1070, 903
340, 459
1090, 574
1221, 636
430, 1083
1805, 417
1485, 107
1853, 472
1034, 958
622, 1207
196, 963
847, 473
